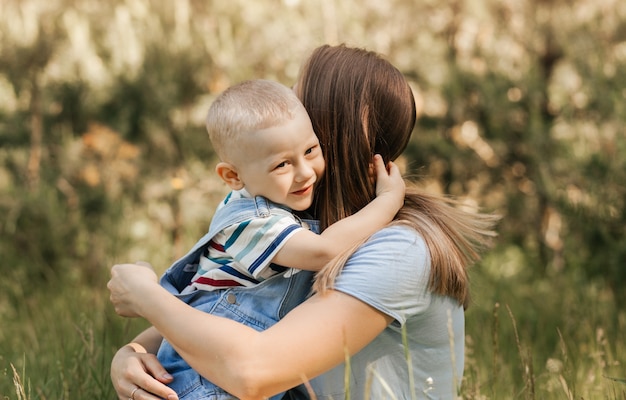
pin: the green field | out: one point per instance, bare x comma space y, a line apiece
547, 339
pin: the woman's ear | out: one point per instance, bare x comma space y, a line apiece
229, 175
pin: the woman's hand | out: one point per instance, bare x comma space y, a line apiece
127, 283
138, 375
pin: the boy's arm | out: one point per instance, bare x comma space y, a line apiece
309, 251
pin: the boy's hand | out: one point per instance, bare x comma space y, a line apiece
389, 182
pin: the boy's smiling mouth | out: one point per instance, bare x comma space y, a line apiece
303, 191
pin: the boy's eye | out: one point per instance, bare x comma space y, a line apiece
281, 165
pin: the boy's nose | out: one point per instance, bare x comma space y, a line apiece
304, 172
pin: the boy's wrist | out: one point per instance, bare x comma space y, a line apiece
390, 202
393, 196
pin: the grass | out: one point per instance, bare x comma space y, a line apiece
547, 339
57, 343
556, 338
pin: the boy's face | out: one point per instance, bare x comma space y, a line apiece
282, 163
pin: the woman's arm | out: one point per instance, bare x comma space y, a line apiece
135, 365
310, 340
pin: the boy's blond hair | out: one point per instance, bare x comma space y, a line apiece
245, 108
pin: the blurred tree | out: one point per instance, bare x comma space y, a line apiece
26, 53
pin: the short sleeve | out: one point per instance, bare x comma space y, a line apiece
390, 272
253, 243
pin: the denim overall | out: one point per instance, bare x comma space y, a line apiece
258, 307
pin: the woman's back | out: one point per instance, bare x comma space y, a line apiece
391, 273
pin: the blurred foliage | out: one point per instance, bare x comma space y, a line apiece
104, 158
521, 110
521, 105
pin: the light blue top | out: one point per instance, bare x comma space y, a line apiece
390, 272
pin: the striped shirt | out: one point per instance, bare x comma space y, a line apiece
242, 253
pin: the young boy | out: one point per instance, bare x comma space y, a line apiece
272, 160
266, 145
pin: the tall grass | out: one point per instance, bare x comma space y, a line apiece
552, 339
57, 342
558, 337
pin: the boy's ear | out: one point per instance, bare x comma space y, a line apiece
229, 174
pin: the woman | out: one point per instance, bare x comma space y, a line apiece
395, 306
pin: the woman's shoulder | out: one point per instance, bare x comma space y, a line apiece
398, 228
389, 272
390, 253
396, 237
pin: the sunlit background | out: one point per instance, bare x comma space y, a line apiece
104, 159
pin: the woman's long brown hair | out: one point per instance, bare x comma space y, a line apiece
361, 105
